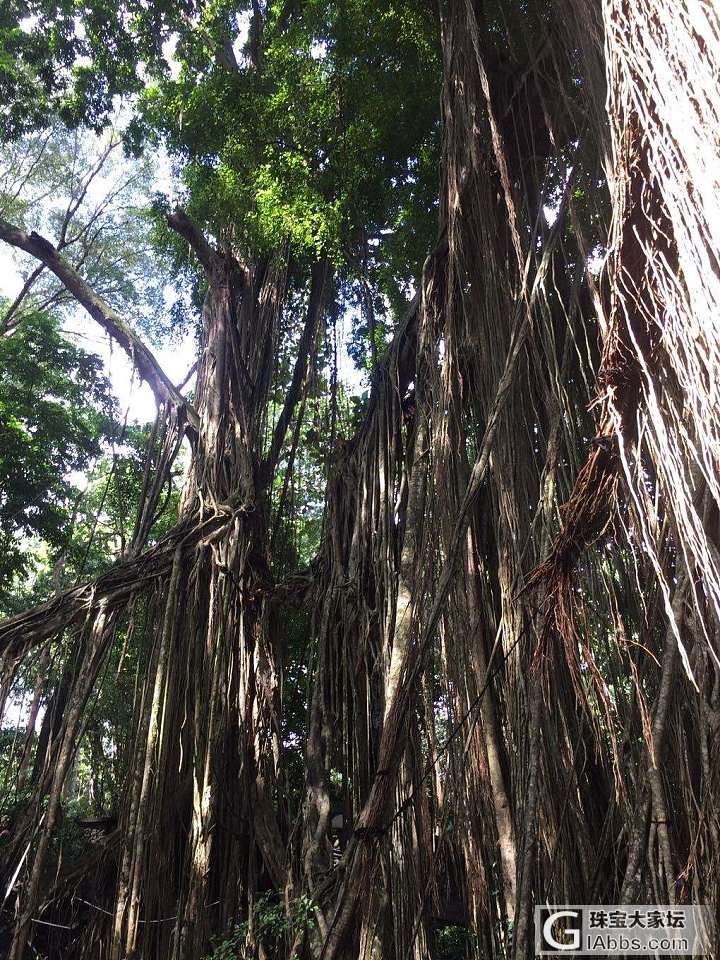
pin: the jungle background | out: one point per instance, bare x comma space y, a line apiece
359, 490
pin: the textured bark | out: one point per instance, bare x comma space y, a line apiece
143, 360
494, 695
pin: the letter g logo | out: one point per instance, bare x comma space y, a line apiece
573, 943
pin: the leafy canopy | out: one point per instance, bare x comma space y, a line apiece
317, 126
55, 409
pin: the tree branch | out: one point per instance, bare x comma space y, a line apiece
141, 357
318, 284
5, 328
181, 223
255, 36
24, 631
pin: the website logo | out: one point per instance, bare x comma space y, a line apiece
624, 930
560, 930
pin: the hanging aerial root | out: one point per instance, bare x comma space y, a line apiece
585, 517
27, 630
662, 64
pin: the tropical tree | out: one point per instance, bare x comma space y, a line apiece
406, 664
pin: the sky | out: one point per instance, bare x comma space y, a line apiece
134, 397
176, 358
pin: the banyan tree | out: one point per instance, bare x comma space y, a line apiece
406, 663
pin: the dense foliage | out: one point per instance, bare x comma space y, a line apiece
55, 411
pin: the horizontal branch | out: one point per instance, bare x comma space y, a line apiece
24, 631
20, 633
141, 357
